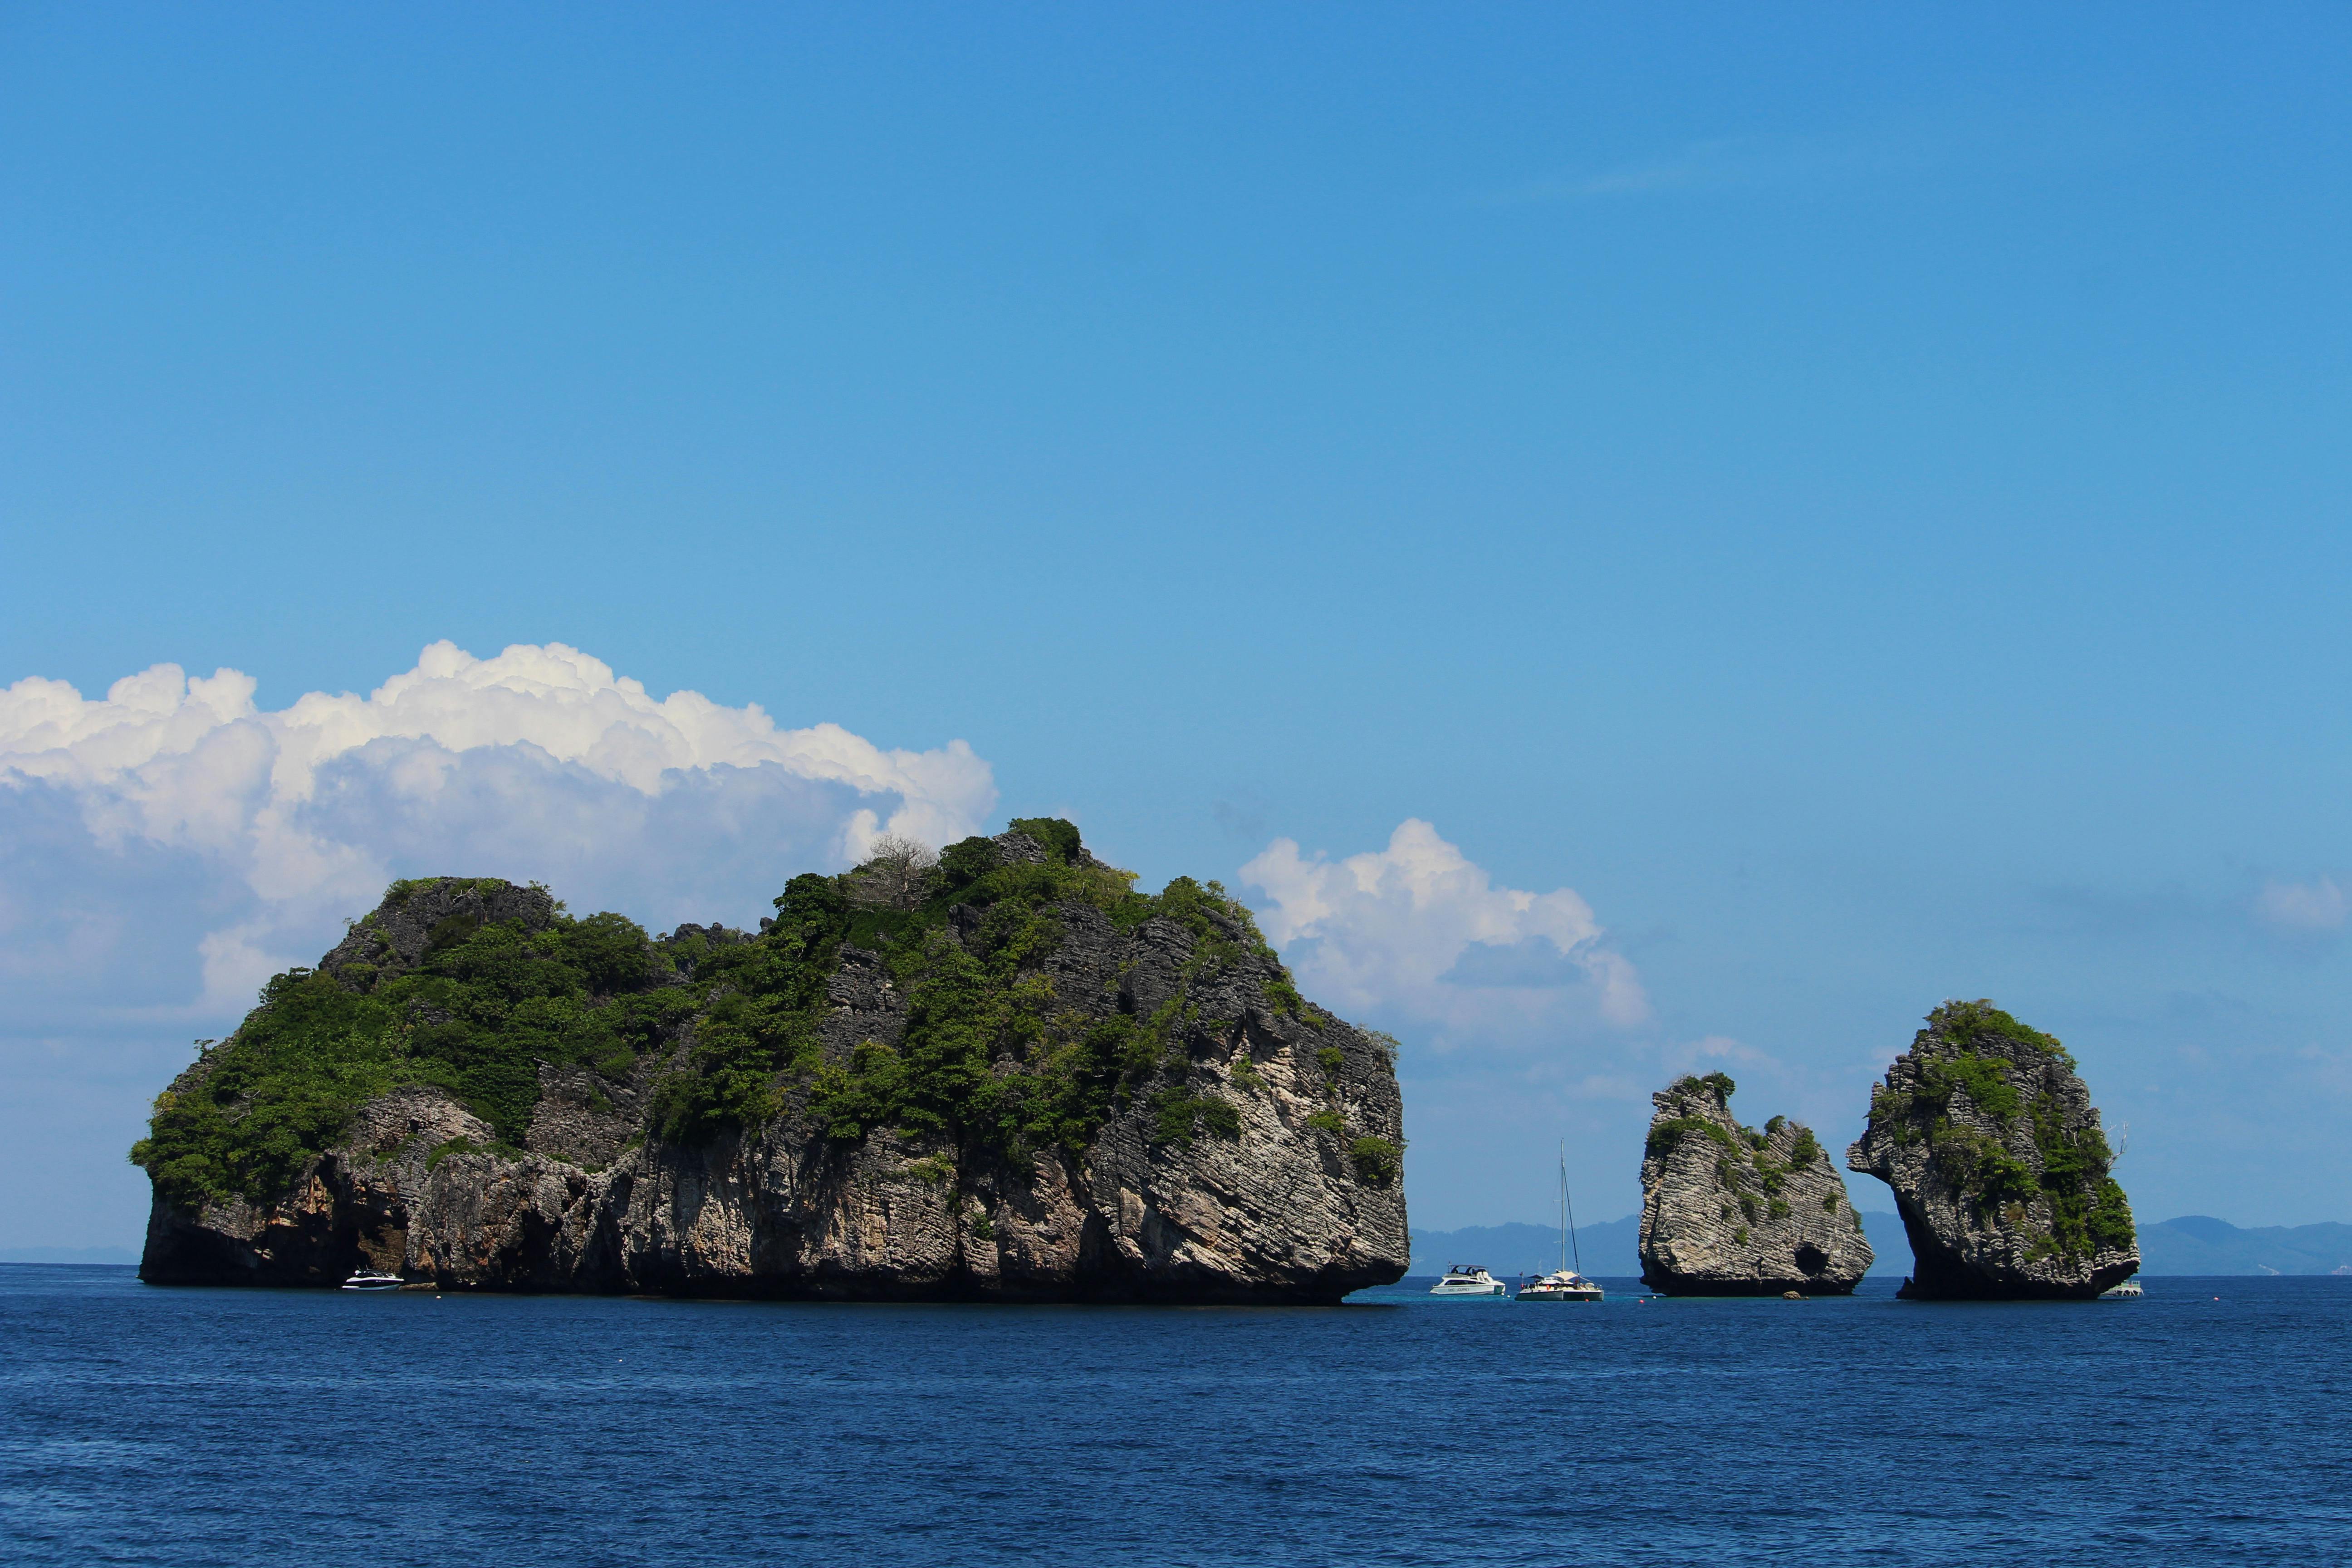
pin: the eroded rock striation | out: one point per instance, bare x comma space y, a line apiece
1729, 1211
1998, 1164
1003, 1075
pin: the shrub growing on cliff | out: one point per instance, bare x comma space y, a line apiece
1179, 1117
1377, 1160
1665, 1134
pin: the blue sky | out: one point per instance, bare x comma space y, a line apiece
1853, 504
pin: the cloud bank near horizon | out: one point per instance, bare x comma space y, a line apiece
173, 805
1420, 932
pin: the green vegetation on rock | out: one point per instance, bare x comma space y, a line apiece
970, 1003
484, 1005
1664, 1135
491, 999
1985, 1081
1378, 1160
1969, 1024
1179, 1117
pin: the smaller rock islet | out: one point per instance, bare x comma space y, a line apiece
1728, 1210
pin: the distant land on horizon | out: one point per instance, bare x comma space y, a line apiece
2193, 1244
68, 1255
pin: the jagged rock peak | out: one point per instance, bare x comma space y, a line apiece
1729, 1211
426, 914
1998, 1164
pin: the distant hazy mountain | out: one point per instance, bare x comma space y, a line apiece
2194, 1244
1508, 1249
67, 1255
2199, 1244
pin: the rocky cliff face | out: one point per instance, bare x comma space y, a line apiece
1999, 1167
1729, 1211
1050, 1091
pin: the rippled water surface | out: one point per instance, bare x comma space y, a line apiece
250, 1429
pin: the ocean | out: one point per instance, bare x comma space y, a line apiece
2210, 1421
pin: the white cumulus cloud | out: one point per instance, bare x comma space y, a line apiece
1419, 931
173, 843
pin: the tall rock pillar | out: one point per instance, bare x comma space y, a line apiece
1998, 1164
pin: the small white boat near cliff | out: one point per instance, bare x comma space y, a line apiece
1467, 1280
1563, 1284
367, 1280
2128, 1290
1560, 1285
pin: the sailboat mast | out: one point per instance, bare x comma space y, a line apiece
1563, 1204
1568, 1209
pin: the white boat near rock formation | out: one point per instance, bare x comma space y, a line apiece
1467, 1280
1563, 1284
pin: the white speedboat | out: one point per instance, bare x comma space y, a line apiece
368, 1280
1560, 1285
1563, 1284
2128, 1290
1467, 1280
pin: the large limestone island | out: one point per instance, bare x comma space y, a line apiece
1729, 1211
1005, 1075
1998, 1164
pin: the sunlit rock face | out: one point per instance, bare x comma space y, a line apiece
1730, 1211
1990, 1142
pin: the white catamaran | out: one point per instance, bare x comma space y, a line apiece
1566, 1284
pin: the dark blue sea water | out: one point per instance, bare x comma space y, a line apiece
253, 1428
